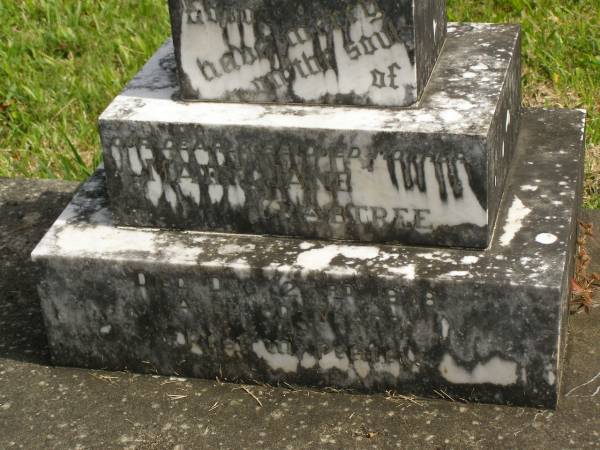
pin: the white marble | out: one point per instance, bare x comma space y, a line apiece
373, 188
244, 53
437, 305
149, 98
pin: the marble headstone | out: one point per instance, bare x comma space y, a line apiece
431, 174
351, 52
483, 325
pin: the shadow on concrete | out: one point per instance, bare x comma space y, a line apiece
27, 209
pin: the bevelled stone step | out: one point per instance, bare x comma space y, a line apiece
351, 52
427, 175
484, 325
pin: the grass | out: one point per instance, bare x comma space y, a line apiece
561, 56
62, 61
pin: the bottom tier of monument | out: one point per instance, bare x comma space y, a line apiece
478, 325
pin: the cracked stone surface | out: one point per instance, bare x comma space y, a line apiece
481, 325
42, 406
351, 52
428, 175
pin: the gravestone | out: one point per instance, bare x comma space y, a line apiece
431, 174
359, 52
373, 248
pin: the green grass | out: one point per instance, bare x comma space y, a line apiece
62, 61
561, 56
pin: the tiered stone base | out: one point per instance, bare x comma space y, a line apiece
431, 174
486, 325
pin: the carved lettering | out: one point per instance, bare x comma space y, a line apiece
379, 215
249, 41
311, 63
337, 293
320, 184
208, 70
367, 44
354, 153
248, 55
384, 43
371, 10
337, 215
421, 218
311, 215
343, 182
359, 214
353, 52
297, 37
211, 7
379, 77
392, 75
228, 63
400, 218
247, 16
392, 295
297, 64
193, 10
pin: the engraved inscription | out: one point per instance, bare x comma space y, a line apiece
315, 314
342, 184
382, 80
361, 53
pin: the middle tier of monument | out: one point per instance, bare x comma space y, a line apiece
431, 174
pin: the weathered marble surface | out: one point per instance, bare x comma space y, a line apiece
351, 52
483, 325
428, 175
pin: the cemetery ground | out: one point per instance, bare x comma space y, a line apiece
62, 61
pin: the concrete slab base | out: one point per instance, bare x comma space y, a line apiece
483, 326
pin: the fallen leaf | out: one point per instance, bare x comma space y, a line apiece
4, 106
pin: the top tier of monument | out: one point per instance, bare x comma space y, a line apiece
339, 52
